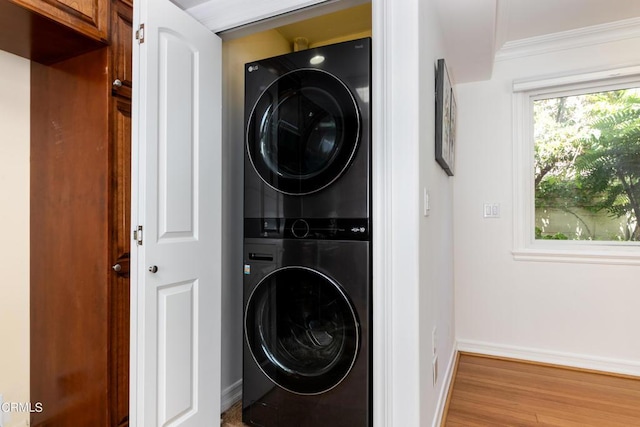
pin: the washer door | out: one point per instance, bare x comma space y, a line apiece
302, 330
303, 131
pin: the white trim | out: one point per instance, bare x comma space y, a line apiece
231, 395
444, 391
575, 255
523, 173
396, 260
554, 81
381, 215
596, 34
525, 246
136, 316
581, 361
502, 18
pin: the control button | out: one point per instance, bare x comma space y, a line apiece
300, 228
270, 225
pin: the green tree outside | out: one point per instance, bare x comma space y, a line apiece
587, 164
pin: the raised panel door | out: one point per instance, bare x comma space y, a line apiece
175, 273
120, 235
121, 47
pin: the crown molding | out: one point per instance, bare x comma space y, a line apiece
587, 36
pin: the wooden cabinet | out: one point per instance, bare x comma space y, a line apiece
120, 224
69, 298
80, 230
89, 17
49, 31
120, 210
121, 47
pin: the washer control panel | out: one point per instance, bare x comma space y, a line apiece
308, 228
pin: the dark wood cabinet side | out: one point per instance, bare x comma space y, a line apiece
69, 241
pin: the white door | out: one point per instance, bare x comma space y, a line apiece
176, 198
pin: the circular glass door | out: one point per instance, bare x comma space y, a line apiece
303, 131
301, 330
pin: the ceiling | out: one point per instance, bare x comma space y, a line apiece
521, 19
474, 30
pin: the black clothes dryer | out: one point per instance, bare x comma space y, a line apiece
307, 355
307, 133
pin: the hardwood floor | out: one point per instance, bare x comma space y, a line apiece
495, 392
491, 392
233, 417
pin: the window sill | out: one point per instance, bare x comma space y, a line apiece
580, 254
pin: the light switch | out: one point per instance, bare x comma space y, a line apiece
491, 210
425, 202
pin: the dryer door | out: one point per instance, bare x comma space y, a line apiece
303, 131
302, 330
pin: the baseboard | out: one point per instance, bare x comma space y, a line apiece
580, 361
444, 390
231, 395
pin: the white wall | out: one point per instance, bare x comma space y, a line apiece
235, 54
14, 217
420, 287
436, 231
577, 314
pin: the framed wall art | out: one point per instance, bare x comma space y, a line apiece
445, 119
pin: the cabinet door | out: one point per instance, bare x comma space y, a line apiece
120, 211
89, 17
120, 223
121, 47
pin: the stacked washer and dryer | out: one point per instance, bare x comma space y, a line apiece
307, 239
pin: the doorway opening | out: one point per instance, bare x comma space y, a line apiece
312, 27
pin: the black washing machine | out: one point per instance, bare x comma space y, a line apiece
307, 133
307, 336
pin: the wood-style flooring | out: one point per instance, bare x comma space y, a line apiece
496, 392
233, 417
490, 392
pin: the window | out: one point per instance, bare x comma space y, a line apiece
577, 168
587, 166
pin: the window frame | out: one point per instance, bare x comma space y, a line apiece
525, 246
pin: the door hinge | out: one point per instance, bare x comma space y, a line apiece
140, 34
137, 235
